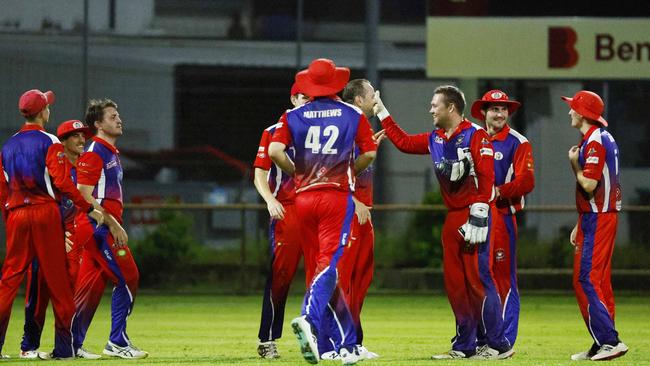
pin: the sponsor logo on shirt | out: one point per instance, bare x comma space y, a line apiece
261, 155
498, 155
438, 140
111, 164
459, 139
322, 114
261, 148
592, 160
486, 151
500, 255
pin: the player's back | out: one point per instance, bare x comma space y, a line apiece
23, 160
607, 196
323, 134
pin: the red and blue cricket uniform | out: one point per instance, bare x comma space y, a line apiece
356, 267
468, 279
284, 242
37, 296
100, 167
597, 223
324, 133
514, 176
33, 163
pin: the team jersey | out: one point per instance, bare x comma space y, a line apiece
68, 209
280, 183
599, 160
324, 133
33, 163
513, 169
477, 186
363, 185
100, 166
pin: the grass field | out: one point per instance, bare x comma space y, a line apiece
403, 329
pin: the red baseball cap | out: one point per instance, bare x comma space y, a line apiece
322, 78
493, 96
33, 101
72, 126
587, 104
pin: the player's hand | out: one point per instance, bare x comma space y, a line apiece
476, 227
98, 216
573, 237
574, 152
497, 192
119, 235
379, 109
68, 242
379, 136
362, 211
276, 210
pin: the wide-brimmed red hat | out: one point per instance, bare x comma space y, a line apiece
322, 78
587, 104
72, 126
296, 89
33, 101
493, 96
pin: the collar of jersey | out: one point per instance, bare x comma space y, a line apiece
501, 135
463, 125
112, 148
32, 127
586, 136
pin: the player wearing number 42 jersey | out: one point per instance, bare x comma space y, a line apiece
324, 133
598, 199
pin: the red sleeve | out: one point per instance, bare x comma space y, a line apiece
56, 167
410, 144
594, 154
523, 166
262, 160
282, 133
483, 157
365, 139
4, 191
89, 168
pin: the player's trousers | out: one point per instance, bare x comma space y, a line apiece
326, 216
37, 297
101, 261
592, 272
286, 251
37, 232
356, 270
470, 286
504, 268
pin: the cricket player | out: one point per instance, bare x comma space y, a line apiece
514, 178
106, 255
73, 135
463, 162
598, 200
324, 133
33, 163
278, 191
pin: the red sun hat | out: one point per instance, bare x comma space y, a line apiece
34, 101
322, 78
72, 126
587, 104
493, 96
296, 89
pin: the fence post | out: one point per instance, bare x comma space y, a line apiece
242, 254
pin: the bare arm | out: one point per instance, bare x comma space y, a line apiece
276, 210
279, 157
364, 160
118, 232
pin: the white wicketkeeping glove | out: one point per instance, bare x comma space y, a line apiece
379, 109
456, 170
476, 227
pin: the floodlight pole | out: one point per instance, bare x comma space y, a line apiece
84, 61
299, 25
372, 41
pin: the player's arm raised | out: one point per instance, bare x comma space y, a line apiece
410, 144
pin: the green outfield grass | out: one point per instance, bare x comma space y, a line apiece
403, 329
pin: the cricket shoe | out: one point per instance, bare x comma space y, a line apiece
349, 357
268, 350
28, 355
586, 355
129, 351
306, 339
365, 354
51, 356
85, 354
486, 352
452, 354
330, 356
4, 357
609, 352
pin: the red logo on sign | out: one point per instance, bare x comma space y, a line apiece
561, 47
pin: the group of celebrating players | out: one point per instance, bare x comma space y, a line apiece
313, 169
62, 208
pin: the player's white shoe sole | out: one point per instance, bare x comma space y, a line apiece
126, 352
306, 339
365, 354
451, 355
607, 352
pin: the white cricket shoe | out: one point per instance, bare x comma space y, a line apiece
306, 339
85, 354
365, 354
586, 355
28, 355
50, 356
349, 357
129, 351
330, 356
4, 357
609, 352
452, 354
486, 352
268, 350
